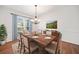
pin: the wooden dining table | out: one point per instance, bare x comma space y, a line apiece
41, 40
44, 42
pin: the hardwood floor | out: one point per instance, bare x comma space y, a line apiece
66, 48
69, 48
7, 49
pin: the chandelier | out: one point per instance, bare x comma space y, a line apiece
35, 20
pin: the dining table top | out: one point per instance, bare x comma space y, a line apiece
42, 39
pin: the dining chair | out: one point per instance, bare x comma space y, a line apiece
20, 46
54, 46
17, 46
44, 32
29, 46
48, 32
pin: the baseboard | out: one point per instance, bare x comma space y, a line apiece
70, 42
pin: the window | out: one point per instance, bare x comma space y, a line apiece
20, 24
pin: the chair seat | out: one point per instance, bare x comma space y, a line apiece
33, 46
54, 42
51, 48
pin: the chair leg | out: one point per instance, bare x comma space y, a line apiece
58, 51
24, 51
19, 45
20, 48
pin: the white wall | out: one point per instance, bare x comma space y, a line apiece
6, 18
68, 22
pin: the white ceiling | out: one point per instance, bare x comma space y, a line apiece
30, 10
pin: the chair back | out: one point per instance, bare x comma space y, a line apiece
25, 42
18, 37
44, 32
57, 39
48, 32
57, 34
